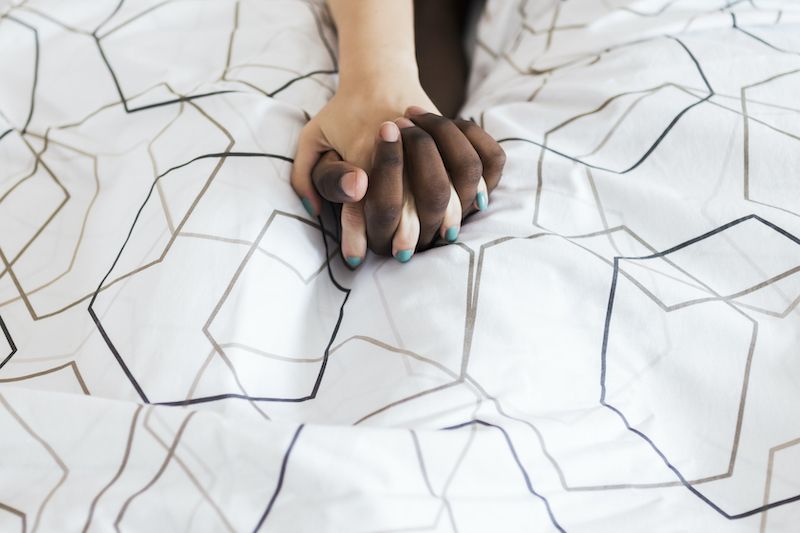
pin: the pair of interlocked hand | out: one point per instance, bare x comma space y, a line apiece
427, 174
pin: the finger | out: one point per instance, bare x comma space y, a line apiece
451, 224
338, 181
493, 158
383, 203
481, 202
458, 155
407, 235
354, 234
428, 179
309, 148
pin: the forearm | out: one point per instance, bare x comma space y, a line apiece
376, 41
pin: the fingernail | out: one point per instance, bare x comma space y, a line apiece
404, 255
307, 205
353, 261
348, 184
451, 234
483, 201
403, 122
415, 110
390, 132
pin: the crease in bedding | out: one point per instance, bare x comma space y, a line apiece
611, 347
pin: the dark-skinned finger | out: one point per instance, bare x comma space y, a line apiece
383, 203
429, 181
338, 181
460, 158
493, 157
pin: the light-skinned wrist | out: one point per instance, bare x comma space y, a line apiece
376, 69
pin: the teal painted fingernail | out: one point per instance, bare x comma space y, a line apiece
451, 234
353, 261
404, 256
307, 205
483, 201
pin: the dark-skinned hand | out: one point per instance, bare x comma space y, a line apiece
428, 173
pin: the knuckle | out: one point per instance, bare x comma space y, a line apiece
467, 126
435, 199
387, 162
418, 138
439, 127
497, 156
469, 168
383, 216
307, 132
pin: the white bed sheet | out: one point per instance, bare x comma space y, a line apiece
612, 346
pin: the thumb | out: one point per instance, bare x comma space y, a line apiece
338, 181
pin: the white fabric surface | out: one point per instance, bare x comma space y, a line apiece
613, 344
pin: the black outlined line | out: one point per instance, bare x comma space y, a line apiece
652, 147
10, 342
603, 365
281, 476
517, 460
120, 360
124, 100
325, 356
289, 83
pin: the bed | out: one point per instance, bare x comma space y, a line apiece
611, 347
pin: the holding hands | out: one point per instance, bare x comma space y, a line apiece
405, 175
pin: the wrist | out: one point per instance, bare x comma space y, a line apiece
378, 70
388, 95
